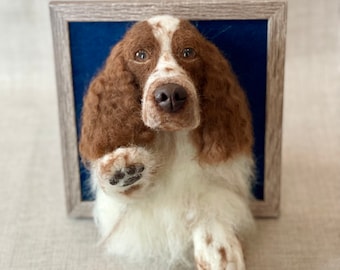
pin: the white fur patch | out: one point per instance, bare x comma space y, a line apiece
163, 28
167, 70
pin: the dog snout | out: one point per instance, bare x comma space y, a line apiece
170, 97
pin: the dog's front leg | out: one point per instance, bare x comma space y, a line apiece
127, 171
217, 248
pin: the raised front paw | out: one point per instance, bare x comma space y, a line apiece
127, 175
127, 171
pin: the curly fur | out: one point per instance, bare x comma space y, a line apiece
225, 128
114, 96
172, 189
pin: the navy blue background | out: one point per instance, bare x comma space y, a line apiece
243, 43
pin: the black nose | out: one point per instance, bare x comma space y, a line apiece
170, 97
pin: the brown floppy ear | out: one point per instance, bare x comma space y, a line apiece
225, 128
111, 114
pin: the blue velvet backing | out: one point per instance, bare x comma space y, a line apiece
243, 42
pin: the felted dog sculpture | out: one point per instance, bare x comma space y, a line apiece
167, 133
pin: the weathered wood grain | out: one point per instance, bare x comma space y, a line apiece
66, 111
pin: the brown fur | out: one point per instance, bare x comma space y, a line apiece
208, 239
131, 190
106, 168
202, 265
223, 254
112, 111
225, 128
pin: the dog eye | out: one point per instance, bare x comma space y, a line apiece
141, 56
188, 53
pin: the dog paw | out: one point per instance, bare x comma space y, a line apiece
126, 170
128, 175
216, 250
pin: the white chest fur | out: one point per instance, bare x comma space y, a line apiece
158, 227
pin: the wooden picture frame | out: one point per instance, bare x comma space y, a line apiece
273, 12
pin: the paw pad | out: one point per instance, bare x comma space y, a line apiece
128, 175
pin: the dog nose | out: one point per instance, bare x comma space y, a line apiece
170, 97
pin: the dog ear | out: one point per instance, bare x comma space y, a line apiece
111, 115
225, 127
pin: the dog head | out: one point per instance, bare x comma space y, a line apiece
164, 75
